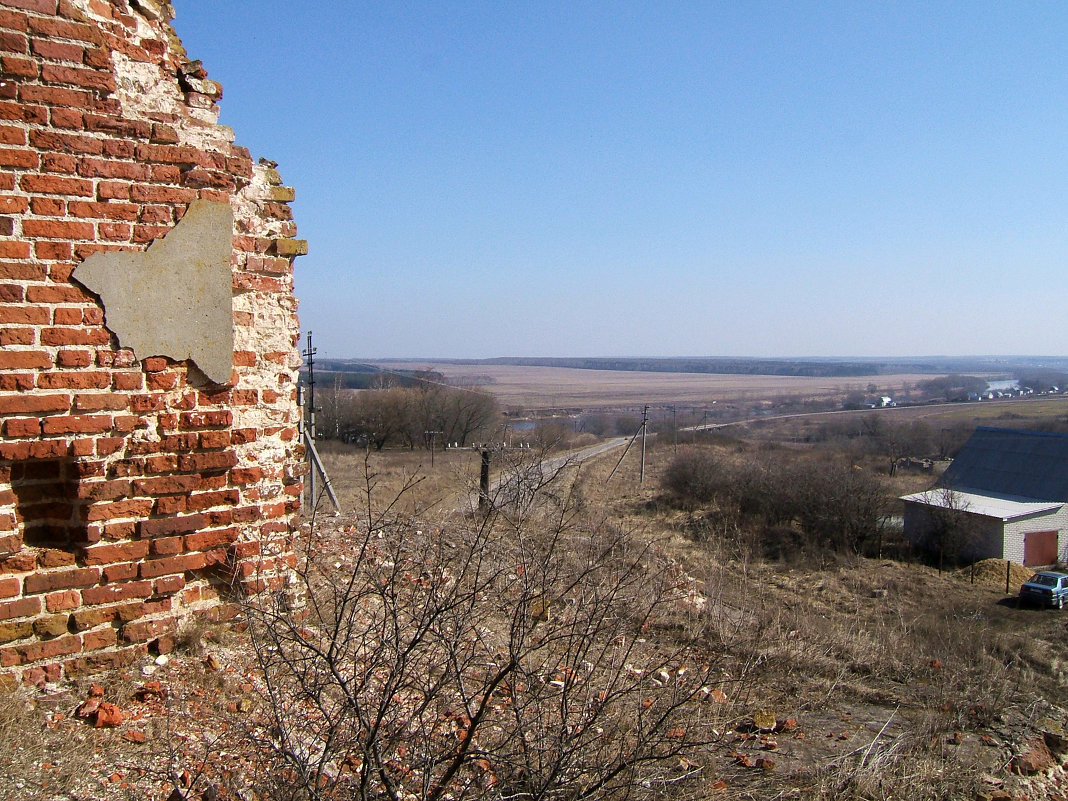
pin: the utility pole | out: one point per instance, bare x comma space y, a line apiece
645, 427
309, 420
316, 468
309, 356
675, 428
431, 435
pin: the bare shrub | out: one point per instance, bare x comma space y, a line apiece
800, 506
696, 477
513, 656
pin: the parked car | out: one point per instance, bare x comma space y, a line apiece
1046, 588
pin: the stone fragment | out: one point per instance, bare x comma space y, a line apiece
764, 720
176, 298
1035, 758
108, 716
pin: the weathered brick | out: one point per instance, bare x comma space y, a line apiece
56, 185
77, 424
25, 359
206, 540
170, 526
57, 51
54, 557
104, 638
119, 509
210, 440
153, 568
75, 336
103, 490
18, 66
51, 250
122, 552
63, 601
41, 6
205, 500
19, 159
112, 593
168, 585
34, 404
92, 617
123, 572
58, 294
15, 630
61, 29
14, 250
13, 42
73, 358
47, 581
50, 626
22, 607
12, 293
38, 651
207, 461
144, 630
166, 485
73, 76
18, 563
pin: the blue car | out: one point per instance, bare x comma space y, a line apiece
1046, 588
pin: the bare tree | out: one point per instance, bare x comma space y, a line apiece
840, 504
950, 526
464, 413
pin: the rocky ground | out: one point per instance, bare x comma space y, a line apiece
817, 717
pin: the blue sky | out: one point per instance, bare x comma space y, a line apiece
661, 178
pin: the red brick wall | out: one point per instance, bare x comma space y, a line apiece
131, 496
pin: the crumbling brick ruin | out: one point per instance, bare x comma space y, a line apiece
149, 450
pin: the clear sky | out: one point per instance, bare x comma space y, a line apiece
661, 178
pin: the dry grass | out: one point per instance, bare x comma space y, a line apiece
438, 488
902, 683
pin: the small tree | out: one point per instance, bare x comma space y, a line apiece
843, 506
951, 527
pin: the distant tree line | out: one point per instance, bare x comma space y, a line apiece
421, 416
727, 366
953, 387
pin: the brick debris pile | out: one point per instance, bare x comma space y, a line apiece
137, 488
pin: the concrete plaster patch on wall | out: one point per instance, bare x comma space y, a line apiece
139, 85
176, 298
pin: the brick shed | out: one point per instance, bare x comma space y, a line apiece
149, 457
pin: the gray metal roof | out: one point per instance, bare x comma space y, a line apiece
1030, 465
986, 505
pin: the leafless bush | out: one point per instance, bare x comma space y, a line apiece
800, 507
514, 656
696, 477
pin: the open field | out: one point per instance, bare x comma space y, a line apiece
534, 388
